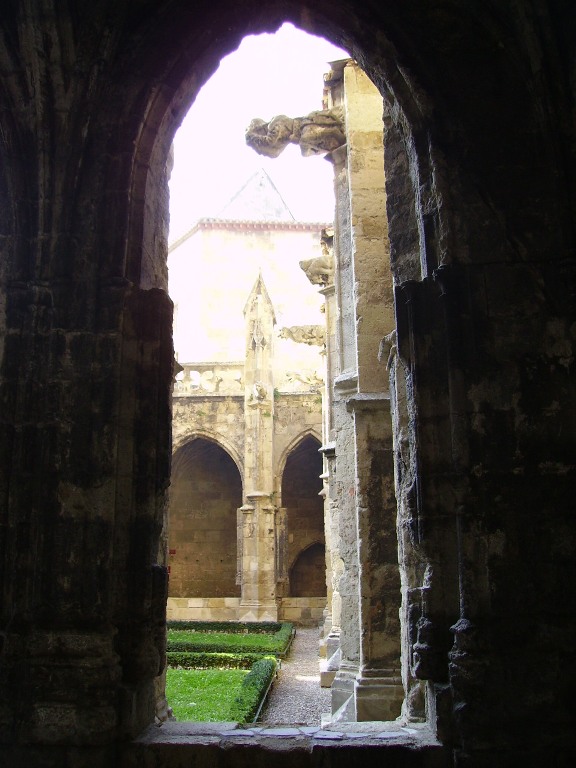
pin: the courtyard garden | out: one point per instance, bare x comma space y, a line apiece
222, 671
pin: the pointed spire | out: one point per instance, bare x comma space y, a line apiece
259, 293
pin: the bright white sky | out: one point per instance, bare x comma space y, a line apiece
268, 75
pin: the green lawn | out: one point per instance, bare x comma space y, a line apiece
203, 695
199, 689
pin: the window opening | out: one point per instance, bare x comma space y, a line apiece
242, 294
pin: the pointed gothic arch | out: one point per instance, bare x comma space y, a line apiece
211, 436
302, 506
205, 494
289, 449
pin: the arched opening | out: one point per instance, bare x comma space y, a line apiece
248, 329
427, 193
206, 491
304, 510
354, 296
307, 575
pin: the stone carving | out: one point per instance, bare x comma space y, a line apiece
210, 381
313, 380
317, 134
305, 334
259, 392
320, 271
258, 338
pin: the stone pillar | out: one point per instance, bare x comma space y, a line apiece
343, 687
330, 643
282, 578
368, 685
379, 691
258, 526
258, 601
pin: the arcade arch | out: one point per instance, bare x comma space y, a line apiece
205, 493
302, 530
302, 504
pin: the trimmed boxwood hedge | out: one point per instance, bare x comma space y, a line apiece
193, 660
237, 627
254, 686
232, 645
183, 638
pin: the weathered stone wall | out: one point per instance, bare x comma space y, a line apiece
204, 543
302, 611
218, 417
296, 416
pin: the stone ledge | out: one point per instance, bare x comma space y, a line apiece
413, 736
367, 401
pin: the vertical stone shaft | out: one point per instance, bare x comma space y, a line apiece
368, 685
258, 544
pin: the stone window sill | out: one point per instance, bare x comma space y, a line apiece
413, 736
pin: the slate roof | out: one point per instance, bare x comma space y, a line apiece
256, 206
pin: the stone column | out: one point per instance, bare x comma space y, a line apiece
379, 691
344, 482
368, 685
330, 643
258, 601
281, 552
258, 527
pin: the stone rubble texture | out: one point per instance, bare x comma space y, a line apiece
479, 162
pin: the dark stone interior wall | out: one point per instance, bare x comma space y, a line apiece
481, 170
301, 485
308, 573
205, 493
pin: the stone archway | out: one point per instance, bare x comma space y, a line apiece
302, 504
206, 490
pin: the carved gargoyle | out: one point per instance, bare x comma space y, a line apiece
259, 392
317, 134
305, 334
320, 271
312, 380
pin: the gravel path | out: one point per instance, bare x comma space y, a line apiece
296, 697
